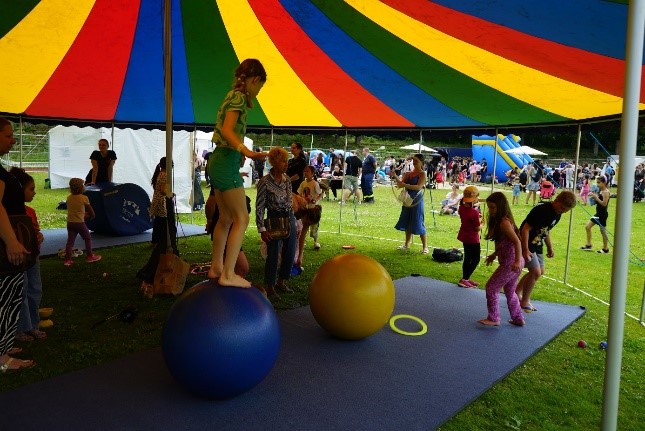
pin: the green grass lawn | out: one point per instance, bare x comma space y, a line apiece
561, 387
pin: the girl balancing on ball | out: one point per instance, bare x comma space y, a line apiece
223, 169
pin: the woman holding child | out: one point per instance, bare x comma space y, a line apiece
412, 219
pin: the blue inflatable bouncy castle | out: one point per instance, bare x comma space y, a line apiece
121, 209
484, 148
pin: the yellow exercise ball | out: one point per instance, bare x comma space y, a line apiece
351, 296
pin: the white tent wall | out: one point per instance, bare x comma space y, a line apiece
138, 152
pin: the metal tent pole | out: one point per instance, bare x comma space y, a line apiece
623, 223
570, 234
168, 89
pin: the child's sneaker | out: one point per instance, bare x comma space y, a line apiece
473, 282
465, 283
68, 262
316, 246
93, 258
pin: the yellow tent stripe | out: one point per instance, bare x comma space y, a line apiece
532, 86
284, 94
35, 47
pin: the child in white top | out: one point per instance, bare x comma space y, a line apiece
310, 190
78, 209
517, 191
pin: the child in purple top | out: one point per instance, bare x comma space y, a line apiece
501, 228
469, 235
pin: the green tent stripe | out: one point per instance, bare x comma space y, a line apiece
456, 90
13, 12
211, 61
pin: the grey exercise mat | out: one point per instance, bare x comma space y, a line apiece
385, 382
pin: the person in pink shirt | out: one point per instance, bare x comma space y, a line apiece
28, 323
469, 235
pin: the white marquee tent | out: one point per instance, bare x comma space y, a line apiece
138, 152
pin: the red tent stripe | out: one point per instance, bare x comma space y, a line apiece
340, 94
571, 64
94, 65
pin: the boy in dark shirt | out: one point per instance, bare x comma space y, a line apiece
534, 233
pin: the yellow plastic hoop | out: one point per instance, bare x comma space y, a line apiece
424, 327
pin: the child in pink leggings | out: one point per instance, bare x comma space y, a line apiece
78, 209
501, 228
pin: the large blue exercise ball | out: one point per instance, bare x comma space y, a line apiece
219, 342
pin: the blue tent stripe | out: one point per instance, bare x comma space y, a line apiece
182, 104
568, 21
371, 73
143, 90
143, 95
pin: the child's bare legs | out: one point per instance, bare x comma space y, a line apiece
301, 243
313, 232
527, 283
424, 241
220, 235
588, 227
605, 238
229, 234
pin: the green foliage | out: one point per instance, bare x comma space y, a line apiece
561, 387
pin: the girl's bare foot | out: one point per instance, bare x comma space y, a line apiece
487, 322
516, 322
233, 281
214, 273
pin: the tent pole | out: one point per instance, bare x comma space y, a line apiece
193, 149
623, 222
492, 182
112, 135
342, 190
492, 178
20, 127
434, 219
575, 170
168, 89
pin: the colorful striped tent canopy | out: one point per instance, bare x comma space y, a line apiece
330, 63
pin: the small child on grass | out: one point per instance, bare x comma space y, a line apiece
517, 191
310, 190
78, 209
